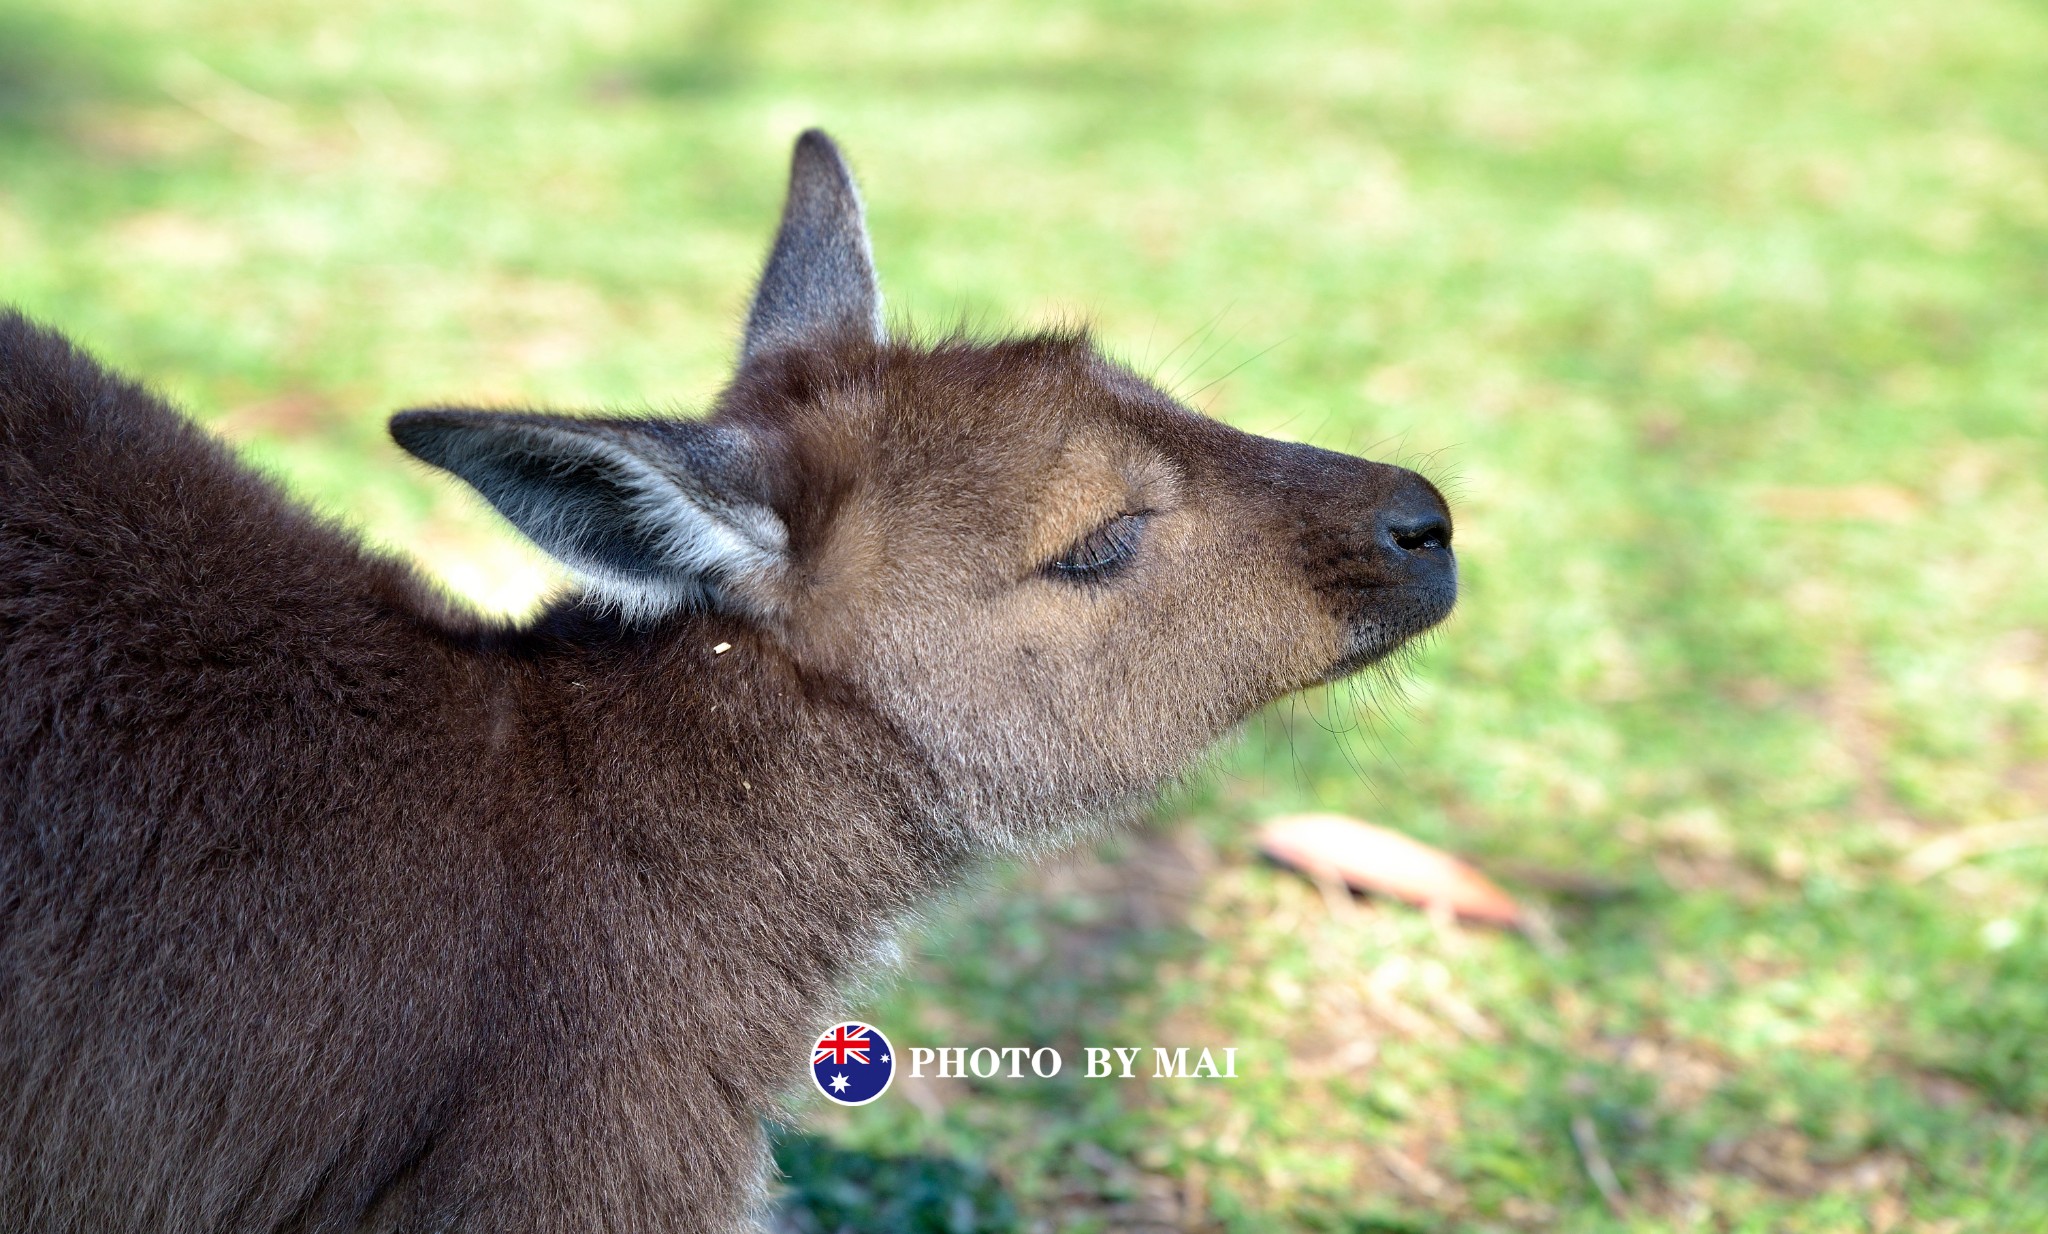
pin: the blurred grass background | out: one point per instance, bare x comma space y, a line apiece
1729, 322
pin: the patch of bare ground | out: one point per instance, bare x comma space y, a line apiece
1694, 849
1742, 1166
1123, 1196
1783, 1163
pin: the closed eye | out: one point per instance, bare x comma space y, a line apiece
1102, 552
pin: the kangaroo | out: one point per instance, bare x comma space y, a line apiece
327, 905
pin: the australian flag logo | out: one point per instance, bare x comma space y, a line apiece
853, 1064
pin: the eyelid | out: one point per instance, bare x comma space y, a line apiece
1103, 550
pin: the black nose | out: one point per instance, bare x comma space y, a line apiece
1418, 535
1413, 524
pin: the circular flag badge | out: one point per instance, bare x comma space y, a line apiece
853, 1064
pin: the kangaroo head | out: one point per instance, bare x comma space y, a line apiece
1061, 583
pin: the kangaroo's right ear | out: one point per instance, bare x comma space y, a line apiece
652, 515
820, 281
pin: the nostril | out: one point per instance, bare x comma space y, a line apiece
1420, 535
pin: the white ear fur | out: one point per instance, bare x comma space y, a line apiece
653, 517
707, 550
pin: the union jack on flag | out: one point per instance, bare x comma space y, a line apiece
852, 1064
845, 1042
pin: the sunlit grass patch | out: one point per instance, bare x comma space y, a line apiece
1725, 324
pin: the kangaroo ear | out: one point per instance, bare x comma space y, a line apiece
652, 515
820, 280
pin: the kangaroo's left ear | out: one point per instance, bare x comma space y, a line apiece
820, 282
652, 515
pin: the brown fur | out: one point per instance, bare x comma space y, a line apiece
325, 906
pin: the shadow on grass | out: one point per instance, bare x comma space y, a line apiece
729, 50
49, 65
835, 1190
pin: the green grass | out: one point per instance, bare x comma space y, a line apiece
1728, 322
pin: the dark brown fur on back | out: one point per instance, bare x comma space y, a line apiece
440, 958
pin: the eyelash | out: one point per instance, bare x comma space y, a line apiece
1101, 552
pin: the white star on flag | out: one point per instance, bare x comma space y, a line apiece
838, 1083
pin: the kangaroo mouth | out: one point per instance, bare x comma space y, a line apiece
1389, 617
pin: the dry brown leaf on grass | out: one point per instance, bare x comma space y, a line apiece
1371, 858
